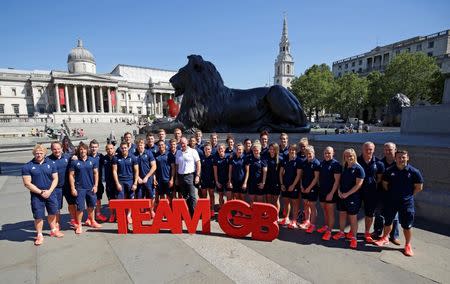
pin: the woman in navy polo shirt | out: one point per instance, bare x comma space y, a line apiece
147, 168
207, 175
309, 188
40, 177
255, 174
349, 201
83, 179
329, 179
274, 161
220, 166
289, 176
236, 172
229, 151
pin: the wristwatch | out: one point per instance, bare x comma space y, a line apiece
42, 192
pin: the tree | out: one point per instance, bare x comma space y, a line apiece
351, 94
377, 96
416, 75
314, 88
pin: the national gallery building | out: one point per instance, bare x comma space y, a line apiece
81, 95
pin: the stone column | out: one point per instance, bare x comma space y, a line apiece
109, 100
67, 96
127, 103
117, 100
101, 99
58, 106
161, 105
154, 104
94, 107
75, 92
84, 100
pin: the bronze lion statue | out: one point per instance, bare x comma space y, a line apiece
210, 106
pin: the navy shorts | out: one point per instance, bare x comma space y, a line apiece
295, 194
126, 192
272, 189
237, 187
71, 200
58, 192
253, 189
351, 204
145, 190
312, 195
405, 209
39, 204
163, 188
100, 190
370, 199
86, 197
323, 197
110, 190
204, 184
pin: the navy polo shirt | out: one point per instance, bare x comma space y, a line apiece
385, 163
107, 165
214, 150
371, 170
238, 172
349, 176
99, 159
301, 157
285, 152
327, 171
172, 156
163, 162
207, 173
41, 174
144, 160
200, 152
273, 170
125, 167
84, 172
62, 165
229, 152
131, 150
154, 149
290, 170
265, 153
401, 182
222, 169
256, 168
308, 170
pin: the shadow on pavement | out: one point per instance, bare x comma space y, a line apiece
11, 169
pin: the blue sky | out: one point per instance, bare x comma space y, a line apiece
240, 37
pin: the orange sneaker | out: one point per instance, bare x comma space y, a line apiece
304, 225
293, 225
368, 238
79, 229
56, 233
284, 222
353, 243
382, 241
408, 250
39, 240
129, 220
112, 218
101, 217
339, 235
87, 222
349, 235
323, 229
72, 222
95, 225
326, 236
311, 229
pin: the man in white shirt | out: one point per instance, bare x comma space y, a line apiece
187, 163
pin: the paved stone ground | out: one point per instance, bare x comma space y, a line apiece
103, 256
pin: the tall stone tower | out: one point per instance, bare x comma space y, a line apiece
284, 64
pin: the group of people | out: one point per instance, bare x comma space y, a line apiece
282, 174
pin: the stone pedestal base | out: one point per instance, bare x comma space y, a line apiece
433, 119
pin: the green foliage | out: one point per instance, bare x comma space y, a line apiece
351, 94
416, 75
314, 88
377, 96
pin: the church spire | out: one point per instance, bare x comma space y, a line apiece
284, 64
284, 35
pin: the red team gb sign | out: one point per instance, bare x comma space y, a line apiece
259, 220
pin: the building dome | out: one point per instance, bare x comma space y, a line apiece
80, 60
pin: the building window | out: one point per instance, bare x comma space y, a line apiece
353, 64
359, 70
129, 96
14, 92
288, 69
346, 65
419, 47
360, 62
430, 54
278, 81
16, 108
430, 44
2, 108
123, 96
130, 109
124, 109
278, 70
139, 110
339, 74
340, 67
